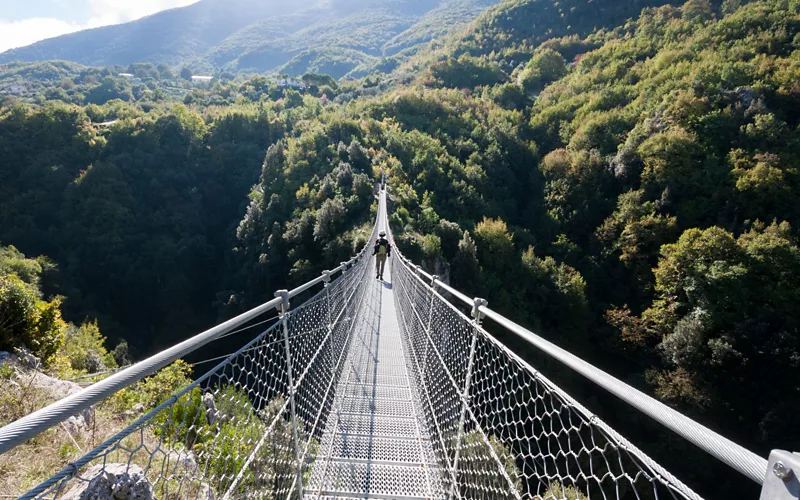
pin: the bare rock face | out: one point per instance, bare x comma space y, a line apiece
57, 389
27, 374
112, 482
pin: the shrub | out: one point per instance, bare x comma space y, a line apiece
84, 347
155, 389
478, 468
28, 321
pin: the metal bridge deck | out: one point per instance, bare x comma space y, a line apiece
375, 443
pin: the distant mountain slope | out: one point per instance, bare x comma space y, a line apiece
262, 35
449, 17
170, 36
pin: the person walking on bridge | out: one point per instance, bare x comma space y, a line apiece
382, 250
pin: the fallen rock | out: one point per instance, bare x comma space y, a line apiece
75, 424
211, 408
135, 412
182, 460
205, 492
112, 482
27, 359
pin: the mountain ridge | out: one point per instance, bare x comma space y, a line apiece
212, 35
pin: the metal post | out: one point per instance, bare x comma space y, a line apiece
477, 316
284, 317
782, 479
326, 280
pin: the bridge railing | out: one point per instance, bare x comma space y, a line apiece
504, 430
248, 428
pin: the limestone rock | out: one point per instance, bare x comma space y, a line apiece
211, 408
112, 482
75, 424
135, 412
56, 389
27, 359
205, 492
182, 461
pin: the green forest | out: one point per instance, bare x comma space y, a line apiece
622, 178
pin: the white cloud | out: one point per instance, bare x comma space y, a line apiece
103, 12
20, 33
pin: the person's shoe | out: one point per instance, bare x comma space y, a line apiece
377, 276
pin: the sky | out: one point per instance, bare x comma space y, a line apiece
23, 22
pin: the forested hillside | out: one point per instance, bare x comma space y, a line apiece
621, 178
337, 37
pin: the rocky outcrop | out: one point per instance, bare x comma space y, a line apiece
112, 482
26, 374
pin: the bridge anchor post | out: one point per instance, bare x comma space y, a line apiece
782, 481
477, 317
326, 280
283, 314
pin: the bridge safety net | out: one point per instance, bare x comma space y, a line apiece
369, 389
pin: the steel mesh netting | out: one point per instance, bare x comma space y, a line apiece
514, 434
248, 428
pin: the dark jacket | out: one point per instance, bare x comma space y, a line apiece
382, 241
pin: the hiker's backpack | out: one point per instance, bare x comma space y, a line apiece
383, 247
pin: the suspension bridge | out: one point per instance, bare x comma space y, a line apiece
381, 389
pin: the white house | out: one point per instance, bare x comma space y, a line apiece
201, 79
290, 82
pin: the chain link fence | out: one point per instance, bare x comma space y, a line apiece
499, 428
248, 428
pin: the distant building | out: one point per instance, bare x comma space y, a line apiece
291, 83
130, 76
201, 79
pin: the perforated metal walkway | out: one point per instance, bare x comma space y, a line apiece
375, 443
